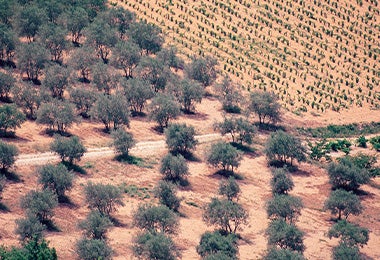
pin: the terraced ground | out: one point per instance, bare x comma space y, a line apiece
316, 55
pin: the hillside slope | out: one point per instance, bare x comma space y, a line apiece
317, 55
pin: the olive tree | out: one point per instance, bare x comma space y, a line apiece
229, 95
155, 219
53, 37
163, 109
40, 204
56, 178
95, 225
166, 194
155, 72
344, 203
189, 93
153, 245
285, 236
350, 234
266, 106
227, 215
147, 36
7, 83
120, 19
82, 59
180, 138
282, 146
346, 175
10, 118
29, 20
284, 207
281, 182
102, 37
29, 228
29, 98
68, 148
126, 56
122, 141
83, 99
103, 197
241, 130
202, 70
8, 43
57, 115
31, 59
90, 249
137, 93
169, 57
8, 153
276, 253
174, 168
76, 19
225, 156
343, 251
229, 188
112, 111
216, 244
103, 78
56, 80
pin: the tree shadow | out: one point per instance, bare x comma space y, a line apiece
11, 176
188, 156
232, 109
51, 226
7, 63
7, 134
364, 256
75, 168
4, 208
268, 127
6, 100
244, 148
132, 160
52, 132
66, 202
138, 114
116, 222
227, 174
280, 164
84, 80
183, 182
158, 129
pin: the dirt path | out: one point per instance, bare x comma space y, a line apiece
141, 148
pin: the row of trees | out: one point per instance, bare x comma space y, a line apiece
345, 177
229, 217
284, 238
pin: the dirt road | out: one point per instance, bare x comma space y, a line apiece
141, 148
